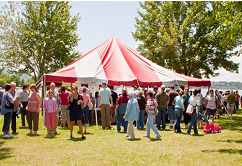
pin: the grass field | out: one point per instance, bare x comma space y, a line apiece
107, 147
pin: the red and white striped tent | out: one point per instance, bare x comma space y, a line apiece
117, 64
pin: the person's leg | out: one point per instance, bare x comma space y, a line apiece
138, 123
13, 126
56, 120
152, 125
47, 120
68, 117
178, 122
29, 120
6, 123
186, 118
23, 113
71, 127
177, 114
158, 118
148, 126
131, 129
35, 116
142, 113
79, 122
103, 116
190, 126
63, 116
86, 116
119, 124
125, 124
195, 124
108, 124
163, 115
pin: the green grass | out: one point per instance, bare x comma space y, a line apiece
107, 147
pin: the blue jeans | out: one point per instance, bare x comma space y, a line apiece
199, 117
204, 117
150, 124
125, 124
171, 114
193, 124
178, 112
7, 120
161, 115
86, 114
140, 121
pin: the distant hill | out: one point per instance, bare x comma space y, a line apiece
227, 85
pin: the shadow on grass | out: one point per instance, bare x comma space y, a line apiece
197, 135
153, 139
231, 141
4, 152
136, 139
31, 135
230, 151
88, 133
76, 139
23, 127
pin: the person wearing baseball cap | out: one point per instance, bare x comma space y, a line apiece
155, 91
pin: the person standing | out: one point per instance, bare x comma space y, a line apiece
75, 103
23, 96
171, 113
15, 109
178, 112
7, 109
96, 98
142, 104
135, 91
104, 102
121, 106
163, 100
195, 101
185, 99
230, 104
199, 117
1, 96
131, 114
151, 111
86, 98
33, 109
56, 96
211, 103
50, 109
63, 95
237, 97
112, 109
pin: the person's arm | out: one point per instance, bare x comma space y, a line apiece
55, 106
127, 109
39, 101
111, 99
217, 103
45, 106
183, 104
12, 100
99, 100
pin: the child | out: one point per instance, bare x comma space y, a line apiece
210, 127
151, 112
131, 114
50, 109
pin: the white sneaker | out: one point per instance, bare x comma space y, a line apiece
10, 134
6, 136
158, 137
146, 136
227, 116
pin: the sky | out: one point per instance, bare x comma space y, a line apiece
100, 20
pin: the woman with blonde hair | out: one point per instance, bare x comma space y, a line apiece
33, 108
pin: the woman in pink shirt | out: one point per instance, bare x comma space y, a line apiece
65, 113
85, 97
50, 109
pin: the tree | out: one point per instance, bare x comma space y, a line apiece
193, 38
37, 37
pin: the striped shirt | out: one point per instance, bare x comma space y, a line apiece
151, 103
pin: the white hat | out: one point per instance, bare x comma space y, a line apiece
163, 87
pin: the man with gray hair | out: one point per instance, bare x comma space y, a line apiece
56, 96
15, 109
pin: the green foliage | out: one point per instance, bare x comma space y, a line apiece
4, 78
193, 38
37, 37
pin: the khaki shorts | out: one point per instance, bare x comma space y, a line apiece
231, 107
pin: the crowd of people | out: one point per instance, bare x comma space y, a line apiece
127, 110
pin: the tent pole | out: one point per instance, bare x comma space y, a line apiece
43, 96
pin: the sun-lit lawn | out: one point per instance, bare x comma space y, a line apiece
107, 147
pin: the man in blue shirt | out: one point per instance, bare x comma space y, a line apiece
185, 99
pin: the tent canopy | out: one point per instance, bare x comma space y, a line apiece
117, 64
